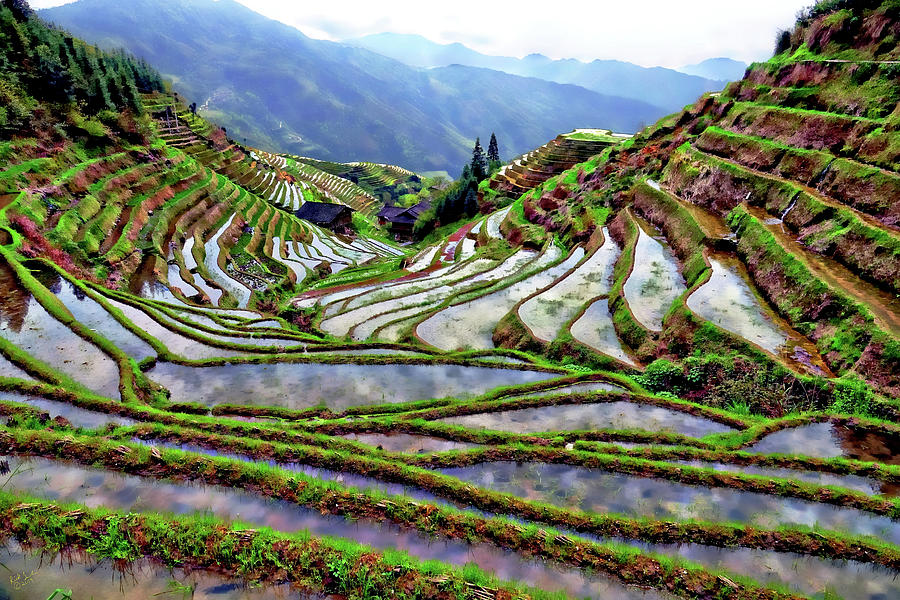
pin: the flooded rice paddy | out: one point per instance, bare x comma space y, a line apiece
602, 415
65, 482
337, 386
655, 280
604, 492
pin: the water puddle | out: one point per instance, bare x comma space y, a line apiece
547, 313
595, 329
66, 482
408, 443
655, 281
603, 415
604, 492
78, 417
34, 575
337, 386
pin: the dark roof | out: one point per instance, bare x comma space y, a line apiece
322, 213
389, 212
396, 214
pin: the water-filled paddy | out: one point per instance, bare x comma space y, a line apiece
603, 415
825, 440
66, 482
472, 324
604, 492
25, 323
338, 386
655, 281
79, 417
548, 312
91, 314
34, 574
595, 329
411, 444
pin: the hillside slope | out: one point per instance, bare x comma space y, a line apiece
795, 171
269, 83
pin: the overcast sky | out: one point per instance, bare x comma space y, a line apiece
668, 33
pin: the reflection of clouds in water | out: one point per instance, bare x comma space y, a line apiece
50, 341
74, 483
604, 415
605, 492
816, 440
338, 386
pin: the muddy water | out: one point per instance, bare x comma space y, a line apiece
410, 444
603, 492
337, 386
94, 316
66, 482
547, 313
595, 329
25, 323
34, 575
79, 417
885, 308
654, 282
604, 415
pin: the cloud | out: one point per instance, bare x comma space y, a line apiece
647, 32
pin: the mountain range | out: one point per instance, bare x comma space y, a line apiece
268, 83
666, 88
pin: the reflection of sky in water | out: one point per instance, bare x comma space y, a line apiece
299, 385
405, 442
50, 341
140, 580
78, 417
94, 316
654, 282
603, 415
546, 313
604, 492
65, 482
804, 574
816, 440
853, 482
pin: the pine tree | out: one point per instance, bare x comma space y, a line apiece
471, 204
479, 163
493, 150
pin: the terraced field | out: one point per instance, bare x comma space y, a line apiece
669, 370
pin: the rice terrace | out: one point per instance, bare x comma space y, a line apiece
638, 363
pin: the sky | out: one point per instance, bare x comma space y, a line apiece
668, 33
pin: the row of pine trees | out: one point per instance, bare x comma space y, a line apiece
43, 64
